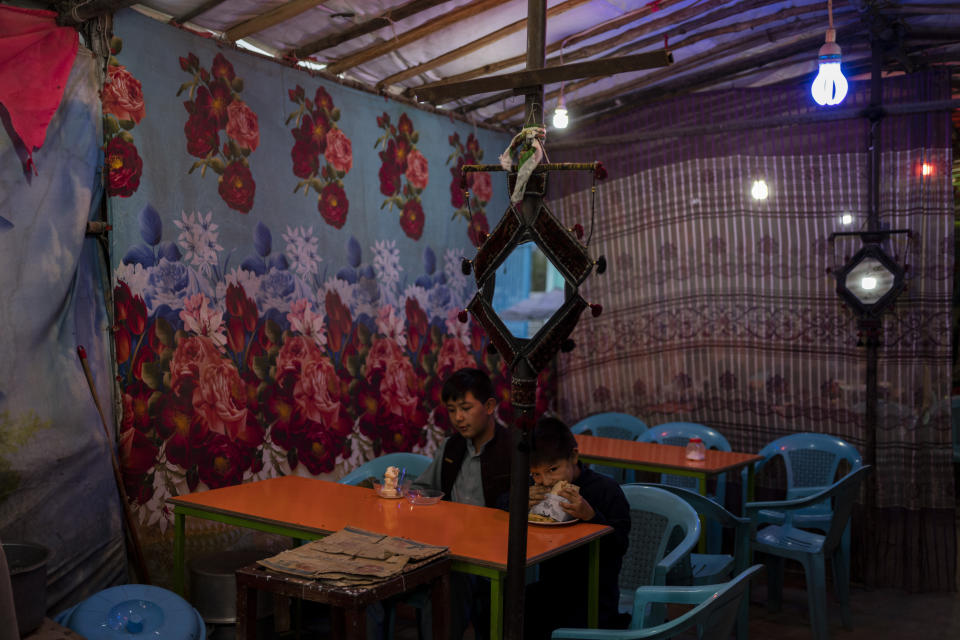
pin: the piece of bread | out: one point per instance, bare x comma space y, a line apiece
563, 484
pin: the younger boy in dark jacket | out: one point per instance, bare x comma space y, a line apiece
559, 598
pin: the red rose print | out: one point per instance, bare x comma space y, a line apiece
305, 155
481, 186
333, 205
418, 174
319, 128
322, 99
389, 178
339, 150
456, 193
202, 137
242, 125
478, 228
121, 344
221, 68
411, 219
124, 168
404, 125
401, 149
237, 187
213, 102
122, 95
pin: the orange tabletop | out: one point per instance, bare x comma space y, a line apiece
659, 457
310, 508
474, 534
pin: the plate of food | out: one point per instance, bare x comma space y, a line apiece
547, 521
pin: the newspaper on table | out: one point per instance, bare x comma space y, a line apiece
353, 557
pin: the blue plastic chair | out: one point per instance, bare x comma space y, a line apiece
789, 540
678, 434
713, 617
414, 463
811, 461
714, 568
620, 426
663, 531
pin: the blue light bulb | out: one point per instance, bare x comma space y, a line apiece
829, 87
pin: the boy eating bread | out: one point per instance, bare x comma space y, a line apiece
559, 598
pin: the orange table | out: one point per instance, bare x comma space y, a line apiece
307, 508
664, 458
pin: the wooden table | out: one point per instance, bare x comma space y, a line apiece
665, 458
307, 508
349, 603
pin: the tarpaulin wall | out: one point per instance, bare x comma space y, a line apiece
56, 484
719, 308
286, 262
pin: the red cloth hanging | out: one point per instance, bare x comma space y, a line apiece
35, 61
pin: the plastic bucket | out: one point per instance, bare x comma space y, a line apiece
28, 578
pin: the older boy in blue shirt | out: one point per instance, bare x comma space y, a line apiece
559, 598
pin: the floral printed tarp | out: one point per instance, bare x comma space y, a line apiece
273, 318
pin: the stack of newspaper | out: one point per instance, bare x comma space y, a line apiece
354, 558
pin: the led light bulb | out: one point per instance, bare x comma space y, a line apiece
759, 190
829, 87
560, 117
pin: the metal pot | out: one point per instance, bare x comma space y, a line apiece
28, 578
213, 586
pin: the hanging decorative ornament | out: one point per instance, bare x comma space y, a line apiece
527, 148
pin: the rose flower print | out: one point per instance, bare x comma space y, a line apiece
214, 105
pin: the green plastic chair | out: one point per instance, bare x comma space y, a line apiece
714, 568
713, 617
789, 541
612, 424
811, 461
414, 463
663, 531
679, 434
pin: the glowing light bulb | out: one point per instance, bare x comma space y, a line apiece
868, 283
560, 117
829, 87
926, 169
759, 190
846, 219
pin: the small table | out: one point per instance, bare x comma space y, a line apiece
349, 603
309, 508
664, 458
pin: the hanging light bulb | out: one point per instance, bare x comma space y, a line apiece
560, 117
829, 87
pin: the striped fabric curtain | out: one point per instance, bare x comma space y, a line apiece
719, 308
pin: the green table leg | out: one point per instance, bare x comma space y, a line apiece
593, 586
496, 605
702, 488
178, 547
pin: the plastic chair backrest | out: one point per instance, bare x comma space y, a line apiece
678, 434
713, 512
714, 614
842, 496
611, 424
663, 530
810, 460
414, 463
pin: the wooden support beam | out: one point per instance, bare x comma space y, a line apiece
263, 21
193, 13
630, 36
403, 39
385, 19
552, 48
440, 92
479, 43
76, 13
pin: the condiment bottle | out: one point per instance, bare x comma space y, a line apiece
696, 450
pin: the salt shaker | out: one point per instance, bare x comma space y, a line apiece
696, 450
